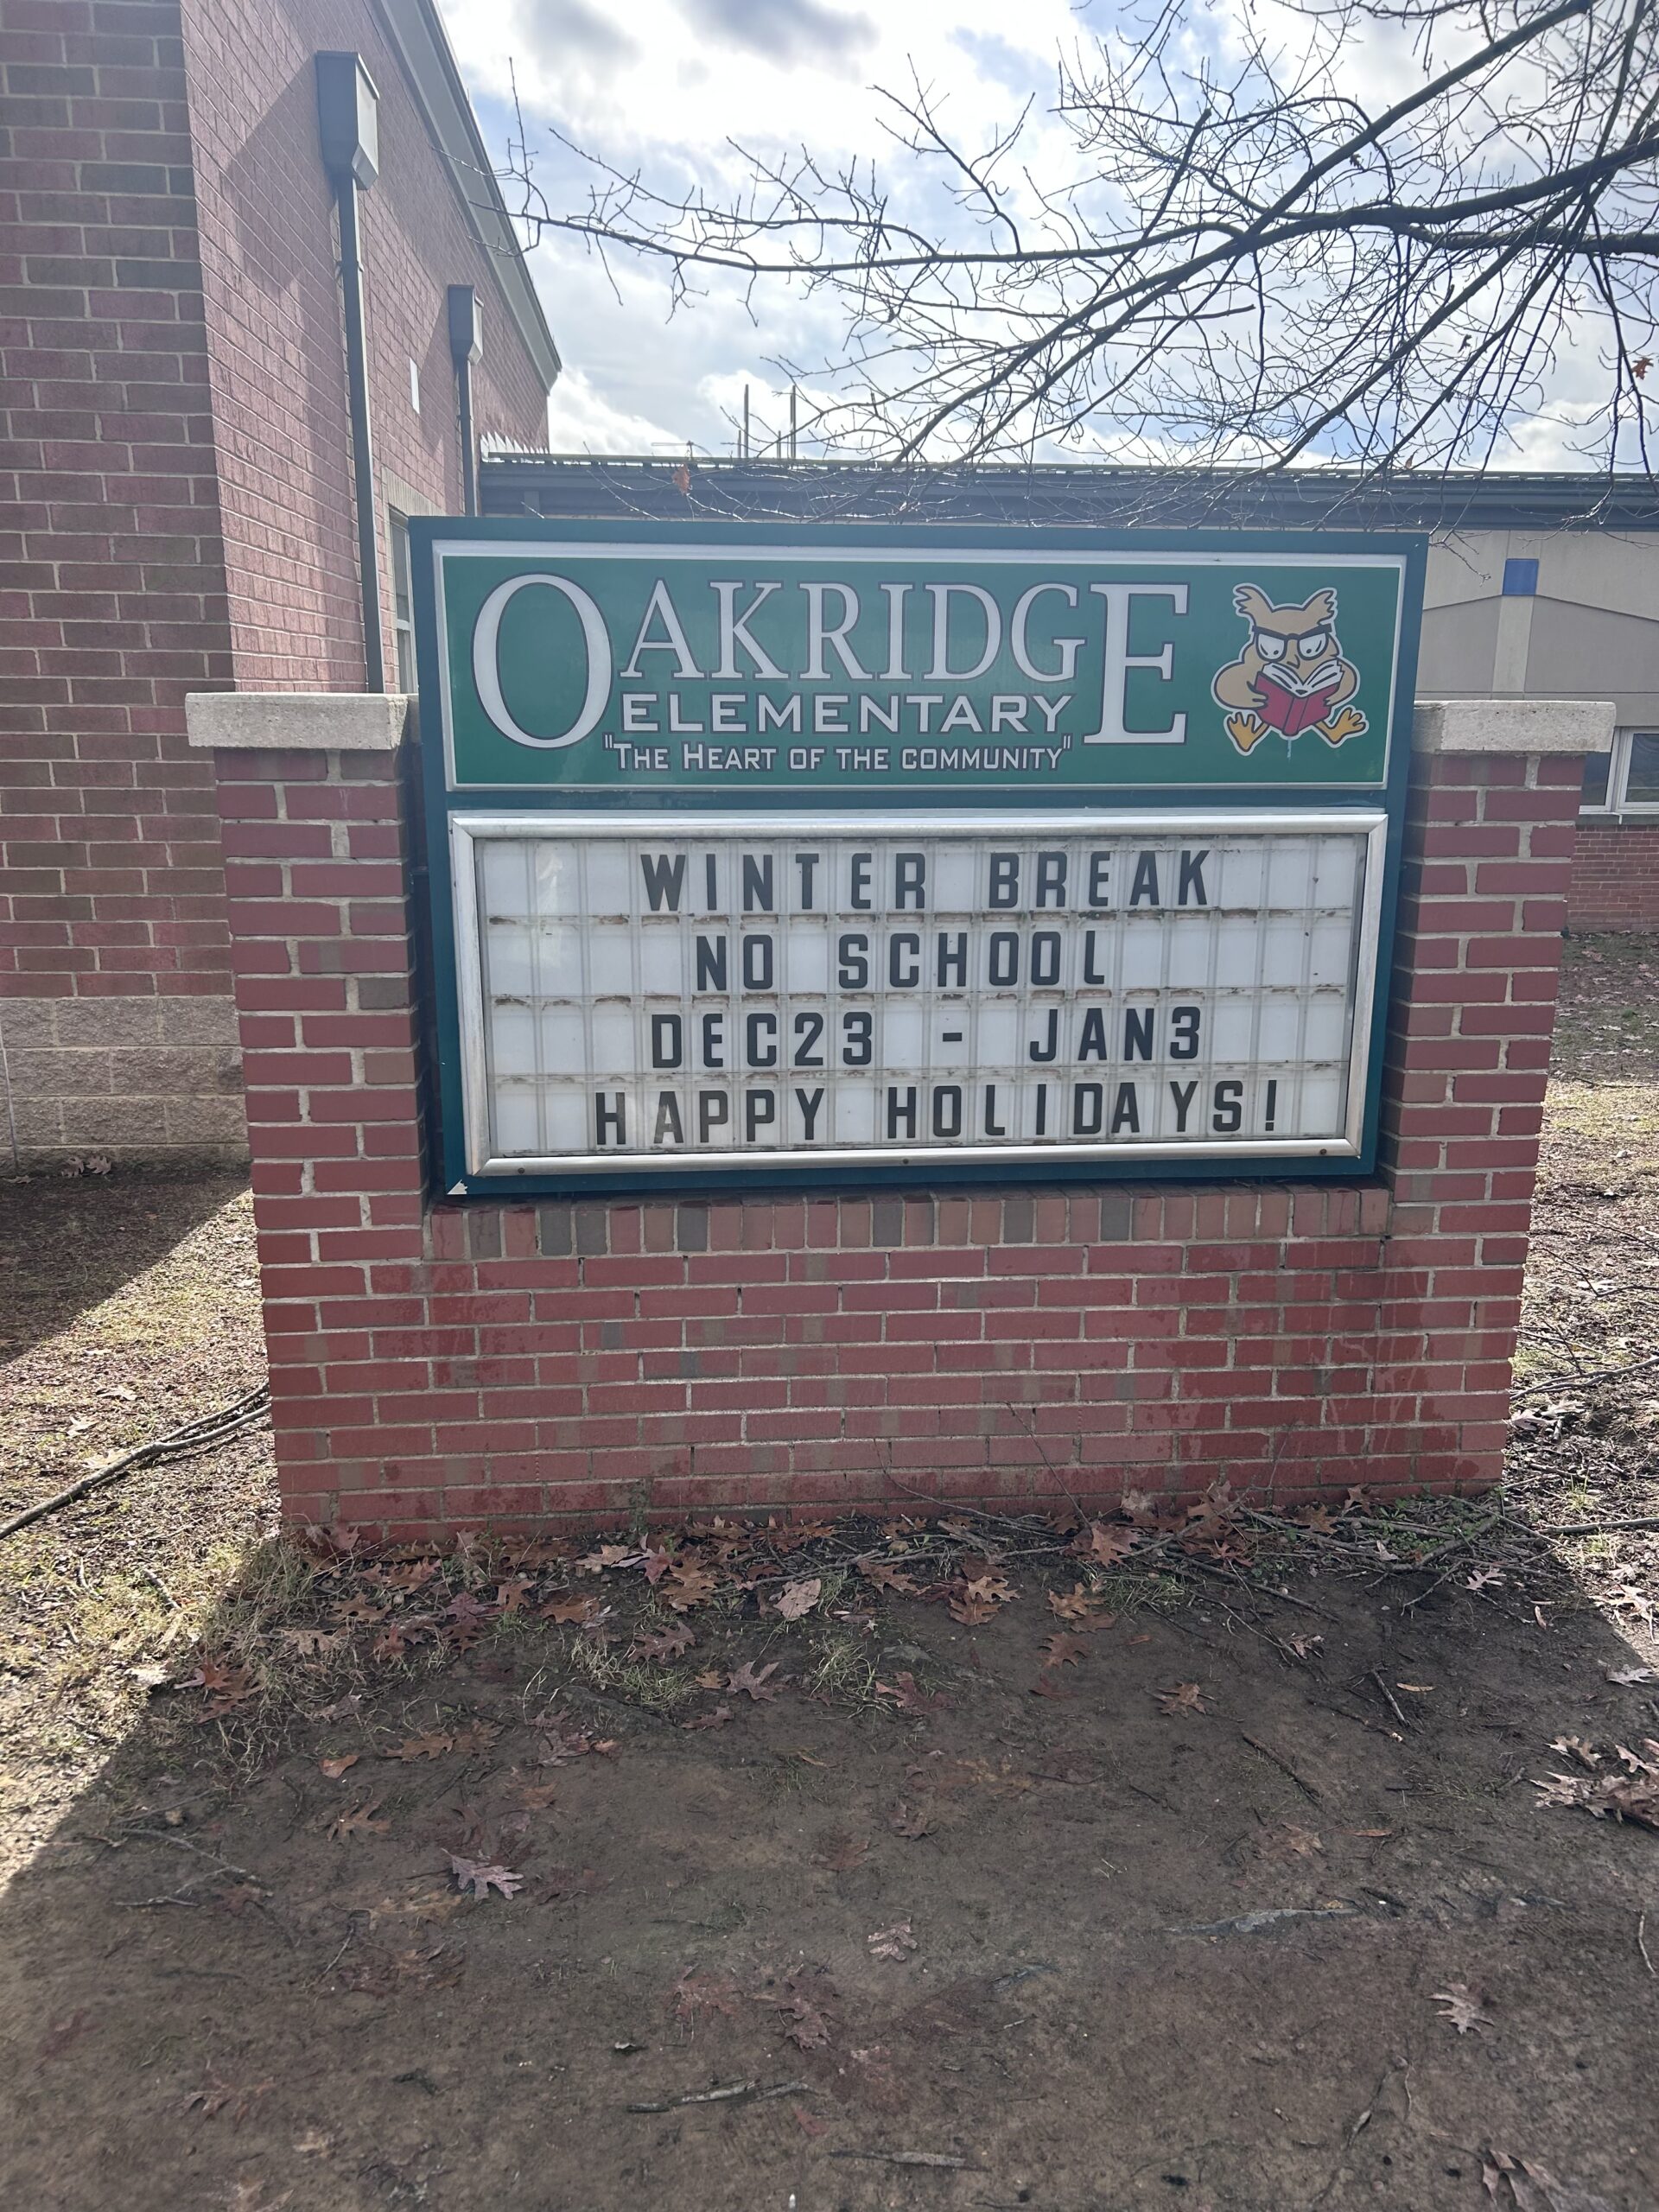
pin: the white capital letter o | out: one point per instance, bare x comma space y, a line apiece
486, 673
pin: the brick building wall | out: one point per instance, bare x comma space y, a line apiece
179, 506
117, 1017
437, 1366
269, 247
1614, 877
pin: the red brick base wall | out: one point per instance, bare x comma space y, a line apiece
438, 1367
1614, 877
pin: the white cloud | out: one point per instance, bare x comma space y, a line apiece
582, 420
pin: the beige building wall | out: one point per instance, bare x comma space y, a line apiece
1591, 631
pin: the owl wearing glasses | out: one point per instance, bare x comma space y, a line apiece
1291, 677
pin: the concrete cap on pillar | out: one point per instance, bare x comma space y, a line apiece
1512, 725
298, 721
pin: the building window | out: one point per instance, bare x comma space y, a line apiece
1625, 778
403, 609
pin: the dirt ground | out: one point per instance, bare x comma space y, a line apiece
1216, 1865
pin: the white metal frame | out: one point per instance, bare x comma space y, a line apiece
1618, 774
468, 831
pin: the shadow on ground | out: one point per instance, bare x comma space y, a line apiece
1113, 1945
63, 1251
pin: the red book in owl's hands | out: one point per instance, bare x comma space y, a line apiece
1288, 708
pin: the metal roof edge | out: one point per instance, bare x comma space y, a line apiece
417, 32
1457, 499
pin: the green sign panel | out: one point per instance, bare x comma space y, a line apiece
857, 666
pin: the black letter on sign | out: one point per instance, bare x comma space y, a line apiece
1137, 1033
1229, 1116
1182, 1093
664, 881
759, 897
759, 1106
1126, 1115
667, 1040
757, 964
809, 1101
906, 976
947, 1111
611, 1118
669, 1129
760, 1033
1183, 1033
1051, 879
854, 973
711, 964
909, 875
714, 1111
1041, 1052
953, 960
905, 1113
1192, 879
1143, 892
1005, 878
1091, 1096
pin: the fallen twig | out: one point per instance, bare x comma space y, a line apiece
1596, 1375
198, 1435
1282, 1762
1595, 1528
735, 2094
915, 2159
1393, 1702
1641, 1941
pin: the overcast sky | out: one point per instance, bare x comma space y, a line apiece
666, 84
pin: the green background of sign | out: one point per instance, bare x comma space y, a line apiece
543, 667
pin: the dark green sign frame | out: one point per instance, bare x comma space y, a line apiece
837, 667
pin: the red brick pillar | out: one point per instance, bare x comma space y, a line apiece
437, 1365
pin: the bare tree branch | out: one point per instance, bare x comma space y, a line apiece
1216, 262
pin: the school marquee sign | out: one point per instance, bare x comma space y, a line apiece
862, 852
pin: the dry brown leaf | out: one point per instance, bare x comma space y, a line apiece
1107, 1545
663, 1644
746, 1678
1461, 2007
797, 1600
694, 1994
908, 1699
359, 1820
717, 1718
576, 1610
478, 1877
887, 1577
841, 1853
1062, 1650
896, 1942
973, 1612
912, 1824
432, 1745
1183, 1697
1077, 1605
335, 1768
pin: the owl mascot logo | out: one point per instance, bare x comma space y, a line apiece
1290, 677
